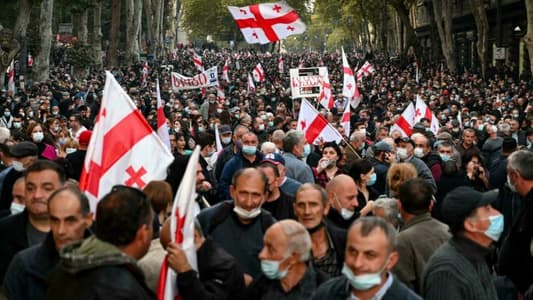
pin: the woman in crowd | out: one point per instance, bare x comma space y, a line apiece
399, 173
327, 166
36, 134
475, 170
364, 176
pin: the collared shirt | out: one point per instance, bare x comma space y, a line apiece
380, 293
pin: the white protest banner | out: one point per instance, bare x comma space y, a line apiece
306, 82
205, 79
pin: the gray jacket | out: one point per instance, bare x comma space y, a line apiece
297, 169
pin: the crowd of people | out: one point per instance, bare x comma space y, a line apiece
380, 215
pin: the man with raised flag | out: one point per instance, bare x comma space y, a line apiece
162, 127
116, 153
267, 22
349, 87
258, 73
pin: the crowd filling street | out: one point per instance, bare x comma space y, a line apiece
439, 211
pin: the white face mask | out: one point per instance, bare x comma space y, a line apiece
247, 214
70, 150
226, 140
16, 208
37, 137
419, 152
18, 166
402, 153
346, 214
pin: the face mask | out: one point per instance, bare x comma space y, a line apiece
16, 208
249, 150
346, 214
372, 180
495, 228
307, 150
365, 281
402, 153
55, 113
418, 152
271, 124
444, 157
271, 269
37, 137
261, 127
17, 125
219, 110
70, 150
57, 128
7, 114
211, 153
263, 117
30, 114
201, 129
512, 187
226, 140
481, 127
18, 166
247, 214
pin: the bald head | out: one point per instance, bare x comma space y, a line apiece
339, 182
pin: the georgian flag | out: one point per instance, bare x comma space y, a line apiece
225, 70
144, 76
280, 64
349, 87
123, 148
345, 120
237, 61
267, 22
184, 211
315, 126
258, 73
250, 86
366, 69
325, 98
30, 60
406, 121
162, 127
197, 60
11, 78
221, 96
423, 111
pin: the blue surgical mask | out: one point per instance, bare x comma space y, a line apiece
271, 269
495, 228
444, 157
249, 150
365, 281
372, 180
307, 150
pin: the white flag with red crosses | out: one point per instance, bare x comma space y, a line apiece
315, 126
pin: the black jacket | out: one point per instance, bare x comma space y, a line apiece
76, 161
14, 239
338, 238
220, 277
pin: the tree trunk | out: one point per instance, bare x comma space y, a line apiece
158, 22
170, 28
41, 67
482, 24
150, 20
112, 55
528, 38
133, 26
442, 10
97, 35
83, 30
403, 13
16, 37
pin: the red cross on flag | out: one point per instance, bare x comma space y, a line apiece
11, 78
423, 111
258, 73
197, 60
406, 121
225, 70
345, 121
366, 69
184, 211
267, 22
162, 127
325, 98
221, 96
123, 148
315, 126
251, 85
144, 77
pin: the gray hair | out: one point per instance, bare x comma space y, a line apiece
357, 136
521, 162
369, 224
292, 139
505, 128
278, 135
269, 147
298, 239
390, 206
316, 187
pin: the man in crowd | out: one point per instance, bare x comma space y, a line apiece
70, 219
516, 260
370, 255
381, 160
458, 269
238, 225
295, 149
30, 227
277, 202
248, 157
420, 236
467, 142
218, 276
286, 273
405, 153
230, 150
342, 194
105, 265
328, 242
423, 151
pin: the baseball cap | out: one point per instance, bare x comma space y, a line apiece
222, 129
404, 140
273, 158
23, 149
462, 201
85, 137
382, 146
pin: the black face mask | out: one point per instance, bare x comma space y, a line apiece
316, 228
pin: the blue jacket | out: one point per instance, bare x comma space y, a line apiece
237, 162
